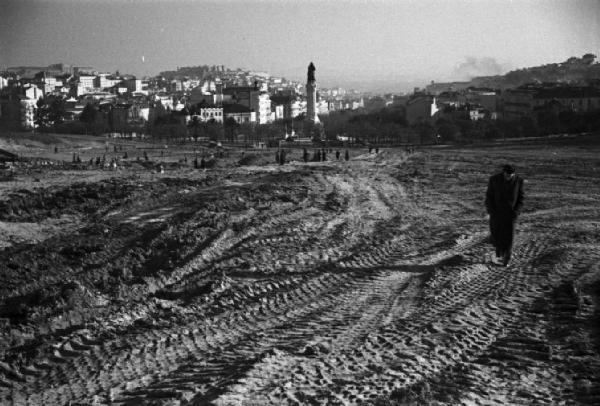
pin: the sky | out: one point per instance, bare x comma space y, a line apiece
365, 44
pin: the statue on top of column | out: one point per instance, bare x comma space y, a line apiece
311, 72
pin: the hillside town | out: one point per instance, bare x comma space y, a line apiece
75, 99
215, 95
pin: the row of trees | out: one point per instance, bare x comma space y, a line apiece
386, 126
51, 115
389, 127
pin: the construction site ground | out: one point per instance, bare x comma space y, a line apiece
367, 281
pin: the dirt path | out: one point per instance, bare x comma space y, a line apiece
338, 283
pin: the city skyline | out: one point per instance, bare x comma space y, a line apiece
359, 44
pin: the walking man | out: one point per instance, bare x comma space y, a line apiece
503, 201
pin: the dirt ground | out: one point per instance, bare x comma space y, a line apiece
324, 283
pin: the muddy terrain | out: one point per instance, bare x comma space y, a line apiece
332, 283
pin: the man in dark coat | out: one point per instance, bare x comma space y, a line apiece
503, 201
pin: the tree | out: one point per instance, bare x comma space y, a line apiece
41, 113
588, 59
426, 132
448, 131
231, 125
529, 127
548, 121
194, 125
57, 111
88, 116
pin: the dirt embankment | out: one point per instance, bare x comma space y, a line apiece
361, 282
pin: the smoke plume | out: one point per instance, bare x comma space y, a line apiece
472, 67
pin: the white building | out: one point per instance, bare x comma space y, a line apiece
207, 112
33, 92
133, 85
323, 107
87, 82
278, 112
297, 107
165, 100
104, 81
261, 104
478, 113
28, 109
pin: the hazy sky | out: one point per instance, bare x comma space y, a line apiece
350, 42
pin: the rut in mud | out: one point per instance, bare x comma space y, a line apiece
338, 283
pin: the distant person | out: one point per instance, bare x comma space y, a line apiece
202, 163
277, 156
145, 155
370, 150
503, 201
282, 157
305, 155
324, 155
377, 150
196, 163
347, 156
337, 154
56, 150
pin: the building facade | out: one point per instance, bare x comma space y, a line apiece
240, 113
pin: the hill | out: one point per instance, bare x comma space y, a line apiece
574, 70
201, 72
580, 71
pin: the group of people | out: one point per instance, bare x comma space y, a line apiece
199, 164
319, 155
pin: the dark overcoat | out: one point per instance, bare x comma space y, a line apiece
503, 201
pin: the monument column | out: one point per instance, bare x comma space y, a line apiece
311, 95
